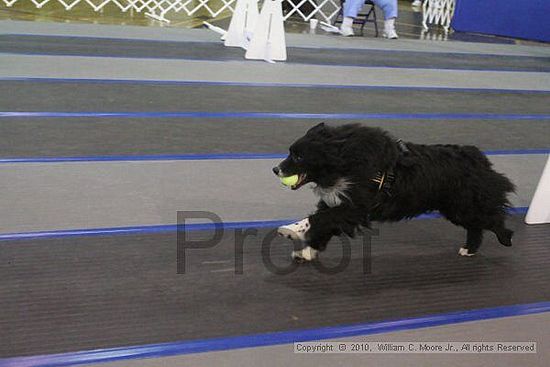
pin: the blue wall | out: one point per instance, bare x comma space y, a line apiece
528, 19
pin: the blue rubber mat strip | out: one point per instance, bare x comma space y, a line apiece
274, 338
266, 85
164, 228
142, 230
211, 156
517, 151
277, 115
162, 157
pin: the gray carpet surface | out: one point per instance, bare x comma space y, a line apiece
82, 195
246, 71
149, 97
62, 137
84, 46
70, 294
518, 328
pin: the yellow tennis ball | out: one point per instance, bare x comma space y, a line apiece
290, 180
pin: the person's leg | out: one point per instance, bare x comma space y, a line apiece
351, 9
389, 7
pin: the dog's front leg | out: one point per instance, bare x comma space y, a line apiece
298, 231
317, 229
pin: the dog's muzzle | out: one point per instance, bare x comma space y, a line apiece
302, 178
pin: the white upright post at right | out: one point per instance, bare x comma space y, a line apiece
539, 210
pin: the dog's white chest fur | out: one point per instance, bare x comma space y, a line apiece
333, 196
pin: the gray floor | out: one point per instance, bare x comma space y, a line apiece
55, 137
29, 66
63, 95
520, 328
111, 194
108, 291
83, 46
54, 196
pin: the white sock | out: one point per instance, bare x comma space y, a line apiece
347, 22
389, 24
389, 29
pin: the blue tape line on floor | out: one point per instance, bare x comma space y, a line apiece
277, 115
211, 156
162, 157
151, 229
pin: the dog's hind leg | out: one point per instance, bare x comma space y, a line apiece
504, 235
474, 237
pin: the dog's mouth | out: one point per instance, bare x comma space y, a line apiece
302, 180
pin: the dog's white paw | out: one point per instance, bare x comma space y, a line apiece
295, 231
305, 254
464, 252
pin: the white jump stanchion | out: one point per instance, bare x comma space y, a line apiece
268, 42
242, 24
327, 27
222, 32
539, 210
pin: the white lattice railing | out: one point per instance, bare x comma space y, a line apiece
434, 11
438, 12
161, 9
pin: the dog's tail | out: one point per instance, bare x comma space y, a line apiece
504, 235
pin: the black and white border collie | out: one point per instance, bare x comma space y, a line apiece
362, 174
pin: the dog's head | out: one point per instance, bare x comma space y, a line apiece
307, 157
325, 154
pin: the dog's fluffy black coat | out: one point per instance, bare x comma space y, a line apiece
457, 181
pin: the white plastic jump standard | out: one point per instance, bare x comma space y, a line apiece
539, 210
242, 24
222, 32
268, 42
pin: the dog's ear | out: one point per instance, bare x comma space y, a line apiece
317, 129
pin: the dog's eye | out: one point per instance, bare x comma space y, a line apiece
297, 158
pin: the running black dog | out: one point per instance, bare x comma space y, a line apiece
363, 174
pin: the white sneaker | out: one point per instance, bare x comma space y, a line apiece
389, 29
295, 231
416, 3
346, 29
391, 34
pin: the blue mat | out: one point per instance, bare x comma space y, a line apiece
527, 19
